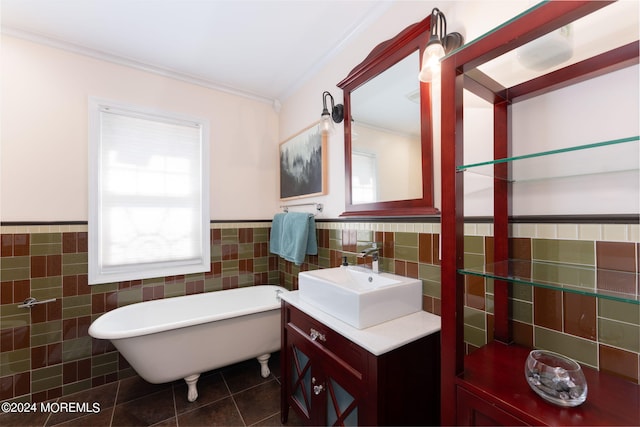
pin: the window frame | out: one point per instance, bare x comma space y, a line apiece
356, 190
127, 272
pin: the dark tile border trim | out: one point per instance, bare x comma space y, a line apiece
524, 219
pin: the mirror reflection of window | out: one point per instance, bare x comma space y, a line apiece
363, 177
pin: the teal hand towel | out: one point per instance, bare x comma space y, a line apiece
312, 241
275, 242
298, 237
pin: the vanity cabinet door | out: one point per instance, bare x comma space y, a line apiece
475, 411
341, 394
300, 375
322, 373
322, 388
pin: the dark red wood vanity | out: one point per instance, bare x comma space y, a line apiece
330, 380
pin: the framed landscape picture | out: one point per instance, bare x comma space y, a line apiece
303, 164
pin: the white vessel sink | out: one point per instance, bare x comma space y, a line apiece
359, 297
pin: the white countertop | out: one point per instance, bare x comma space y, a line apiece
378, 339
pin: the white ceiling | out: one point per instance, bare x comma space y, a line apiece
262, 49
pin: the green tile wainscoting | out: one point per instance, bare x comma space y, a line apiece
45, 352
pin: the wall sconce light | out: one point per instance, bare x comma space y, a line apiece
440, 43
326, 119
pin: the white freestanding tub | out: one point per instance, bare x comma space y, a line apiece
181, 337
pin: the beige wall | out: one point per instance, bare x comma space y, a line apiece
44, 133
304, 106
615, 115
44, 119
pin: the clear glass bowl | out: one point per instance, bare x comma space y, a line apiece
555, 378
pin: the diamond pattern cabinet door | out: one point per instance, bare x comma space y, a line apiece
301, 379
342, 407
324, 389
344, 391
302, 372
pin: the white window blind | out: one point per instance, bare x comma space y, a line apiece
149, 187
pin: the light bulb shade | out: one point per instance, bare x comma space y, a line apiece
431, 62
326, 123
440, 43
434, 49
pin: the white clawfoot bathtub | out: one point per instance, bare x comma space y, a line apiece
181, 337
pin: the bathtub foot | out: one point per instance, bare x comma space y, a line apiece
264, 364
192, 393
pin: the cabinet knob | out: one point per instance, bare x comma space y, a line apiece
315, 335
317, 389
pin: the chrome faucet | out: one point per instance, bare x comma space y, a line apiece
374, 251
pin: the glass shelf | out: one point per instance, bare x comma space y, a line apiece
614, 156
578, 279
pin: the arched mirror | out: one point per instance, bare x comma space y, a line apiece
388, 133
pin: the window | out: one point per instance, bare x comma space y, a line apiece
148, 193
363, 177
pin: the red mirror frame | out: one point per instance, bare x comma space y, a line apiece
383, 56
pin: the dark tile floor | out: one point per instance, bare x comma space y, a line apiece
233, 396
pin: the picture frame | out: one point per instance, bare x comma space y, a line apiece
304, 164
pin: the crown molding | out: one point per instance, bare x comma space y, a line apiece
131, 63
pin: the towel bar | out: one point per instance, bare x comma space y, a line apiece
31, 301
319, 206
